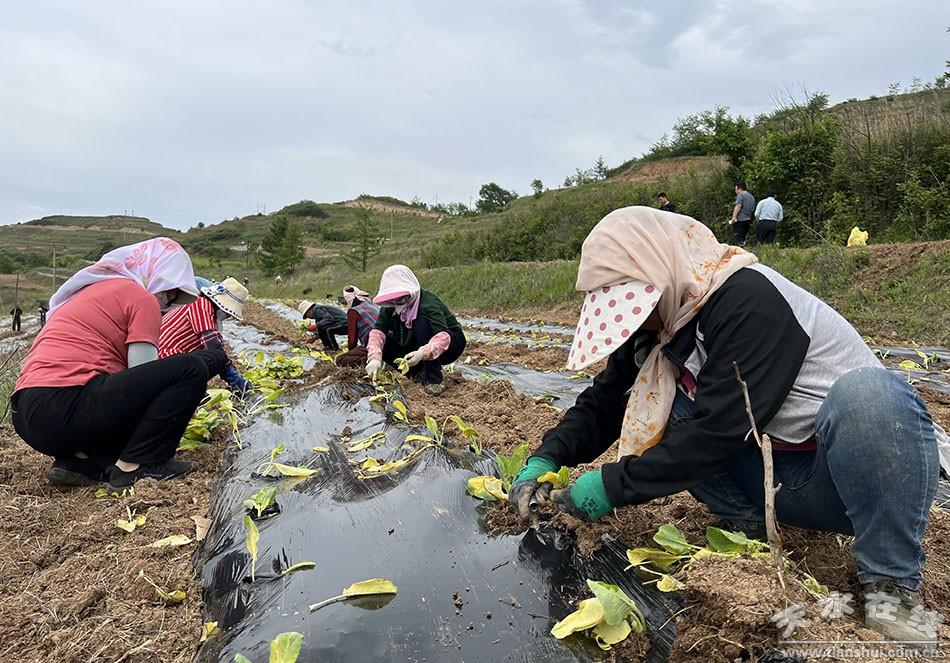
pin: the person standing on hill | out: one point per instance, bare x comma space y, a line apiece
93, 393
742, 213
678, 316
665, 204
414, 325
197, 326
17, 314
768, 213
361, 316
328, 322
43, 311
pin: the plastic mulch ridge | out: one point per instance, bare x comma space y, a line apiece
462, 595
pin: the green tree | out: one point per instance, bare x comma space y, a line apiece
538, 187
710, 132
493, 198
282, 247
600, 169
368, 242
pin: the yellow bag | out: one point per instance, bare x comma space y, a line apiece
858, 237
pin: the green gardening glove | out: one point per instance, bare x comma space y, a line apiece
586, 498
524, 487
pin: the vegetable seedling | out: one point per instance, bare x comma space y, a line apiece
266, 468
610, 617
285, 648
372, 587
252, 536
261, 500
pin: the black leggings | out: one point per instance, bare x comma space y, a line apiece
138, 414
427, 372
328, 336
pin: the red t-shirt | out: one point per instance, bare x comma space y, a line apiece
183, 326
90, 334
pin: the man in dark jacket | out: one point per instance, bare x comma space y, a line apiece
328, 322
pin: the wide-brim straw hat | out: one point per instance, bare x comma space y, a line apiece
229, 296
303, 307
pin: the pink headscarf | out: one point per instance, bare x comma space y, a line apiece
682, 264
351, 293
158, 265
398, 281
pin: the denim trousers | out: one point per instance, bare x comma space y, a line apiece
873, 476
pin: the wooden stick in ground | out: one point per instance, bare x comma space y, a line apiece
765, 444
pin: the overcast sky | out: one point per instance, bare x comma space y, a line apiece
199, 111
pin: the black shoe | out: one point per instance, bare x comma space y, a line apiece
119, 480
72, 471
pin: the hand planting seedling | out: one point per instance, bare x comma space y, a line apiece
285, 648
372, 587
610, 617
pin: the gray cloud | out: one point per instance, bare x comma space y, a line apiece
190, 112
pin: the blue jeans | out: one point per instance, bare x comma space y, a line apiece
873, 476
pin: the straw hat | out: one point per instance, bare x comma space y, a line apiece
303, 307
229, 296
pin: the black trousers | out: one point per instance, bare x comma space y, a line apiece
138, 414
741, 229
16, 323
765, 231
328, 336
427, 372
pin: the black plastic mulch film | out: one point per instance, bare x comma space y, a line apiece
462, 595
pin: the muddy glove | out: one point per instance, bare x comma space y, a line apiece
372, 369
586, 498
415, 358
525, 486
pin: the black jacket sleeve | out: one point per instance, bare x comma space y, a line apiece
593, 423
747, 322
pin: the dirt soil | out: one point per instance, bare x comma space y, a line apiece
539, 359
276, 325
70, 590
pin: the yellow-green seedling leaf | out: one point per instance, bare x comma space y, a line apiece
616, 605
241, 658
589, 613
250, 542
732, 543
910, 365
368, 463
260, 500
672, 540
486, 488
606, 635
294, 470
299, 566
370, 587
509, 466
668, 583
173, 541
661, 559
418, 438
366, 442
176, 596
401, 413
207, 630
285, 648
432, 426
216, 396
814, 587
468, 432
402, 365
321, 450
559, 479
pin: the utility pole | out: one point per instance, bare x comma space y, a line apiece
16, 292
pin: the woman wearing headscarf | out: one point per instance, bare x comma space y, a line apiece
197, 326
361, 316
675, 312
92, 392
413, 324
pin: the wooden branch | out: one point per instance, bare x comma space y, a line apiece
765, 444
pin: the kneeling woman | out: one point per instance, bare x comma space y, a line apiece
855, 448
92, 392
414, 324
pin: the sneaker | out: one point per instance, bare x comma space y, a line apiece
119, 480
72, 471
896, 613
435, 388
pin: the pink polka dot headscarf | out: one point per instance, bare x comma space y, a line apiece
635, 260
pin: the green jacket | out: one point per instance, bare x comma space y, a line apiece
430, 307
